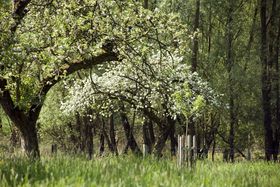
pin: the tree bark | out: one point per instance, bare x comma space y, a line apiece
151, 132
88, 133
173, 140
268, 57
113, 134
277, 88
131, 142
166, 129
107, 138
146, 137
29, 139
230, 64
164, 133
146, 4
276, 85
101, 144
195, 40
213, 149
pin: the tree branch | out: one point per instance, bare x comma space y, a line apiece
15, 114
19, 12
226, 141
65, 70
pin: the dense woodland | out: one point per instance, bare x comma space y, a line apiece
107, 76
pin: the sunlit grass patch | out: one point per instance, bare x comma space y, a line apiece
133, 171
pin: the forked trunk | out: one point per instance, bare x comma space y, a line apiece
164, 133
131, 142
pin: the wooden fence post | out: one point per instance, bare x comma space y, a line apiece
194, 147
189, 146
145, 150
179, 152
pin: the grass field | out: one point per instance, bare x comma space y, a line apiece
133, 171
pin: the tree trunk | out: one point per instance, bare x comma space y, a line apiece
165, 130
73, 137
101, 144
267, 56
173, 140
113, 134
146, 4
131, 142
106, 137
146, 137
29, 139
191, 127
230, 65
164, 133
214, 148
88, 139
232, 129
151, 132
277, 94
195, 40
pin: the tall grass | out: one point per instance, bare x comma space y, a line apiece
133, 171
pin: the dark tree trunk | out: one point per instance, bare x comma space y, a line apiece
81, 132
214, 148
232, 130
25, 123
151, 131
277, 82
131, 142
73, 138
191, 127
29, 139
230, 64
113, 134
146, 4
166, 128
102, 144
146, 137
268, 58
88, 133
106, 137
173, 140
225, 155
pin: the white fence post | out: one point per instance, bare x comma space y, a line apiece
145, 150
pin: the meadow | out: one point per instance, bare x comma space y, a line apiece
129, 170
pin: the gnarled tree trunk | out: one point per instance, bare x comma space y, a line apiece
29, 139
